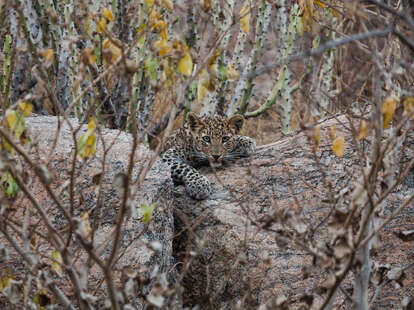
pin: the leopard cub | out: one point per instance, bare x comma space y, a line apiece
209, 140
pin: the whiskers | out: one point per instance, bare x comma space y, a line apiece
199, 158
234, 155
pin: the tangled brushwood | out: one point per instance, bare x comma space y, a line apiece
288, 123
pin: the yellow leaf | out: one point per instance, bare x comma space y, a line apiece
141, 28
91, 124
86, 143
245, 19
57, 262
388, 109
41, 299
110, 52
101, 26
409, 107
332, 132
338, 146
317, 137
163, 47
205, 5
88, 56
7, 147
11, 119
202, 87
26, 108
213, 59
150, 3
108, 14
168, 4
5, 278
319, 3
362, 130
232, 73
47, 56
85, 220
90, 145
159, 25
185, 64
15, 122
307, 13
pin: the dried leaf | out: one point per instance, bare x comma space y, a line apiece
338, 146
57, 262
231, 73
47, 56
341, 249
245, 19
26, 108
5, 278
205, 5
101, 25
185, 65
85, 220
332, 130
168, 4
92, 123
15, 121
110, 52
362, 130
202, 87
319, 3
108, 14
86, 144
163, 47
406, 235
316, 136
88, 56
150, 3
409, 106
388, 109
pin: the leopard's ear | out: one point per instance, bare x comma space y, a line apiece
194, 122
236, 123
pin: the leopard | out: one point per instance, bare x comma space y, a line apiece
211, 140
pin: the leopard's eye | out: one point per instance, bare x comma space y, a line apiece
225, 139
206, 139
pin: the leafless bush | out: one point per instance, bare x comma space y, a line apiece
139, 66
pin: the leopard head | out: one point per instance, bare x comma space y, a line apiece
213, 137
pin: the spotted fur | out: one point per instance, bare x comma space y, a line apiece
204, 141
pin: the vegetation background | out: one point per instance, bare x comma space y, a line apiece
140, 66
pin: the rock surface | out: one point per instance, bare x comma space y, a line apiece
234, 263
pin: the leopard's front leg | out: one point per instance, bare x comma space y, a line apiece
196, 184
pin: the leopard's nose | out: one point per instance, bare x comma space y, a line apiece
216, 157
